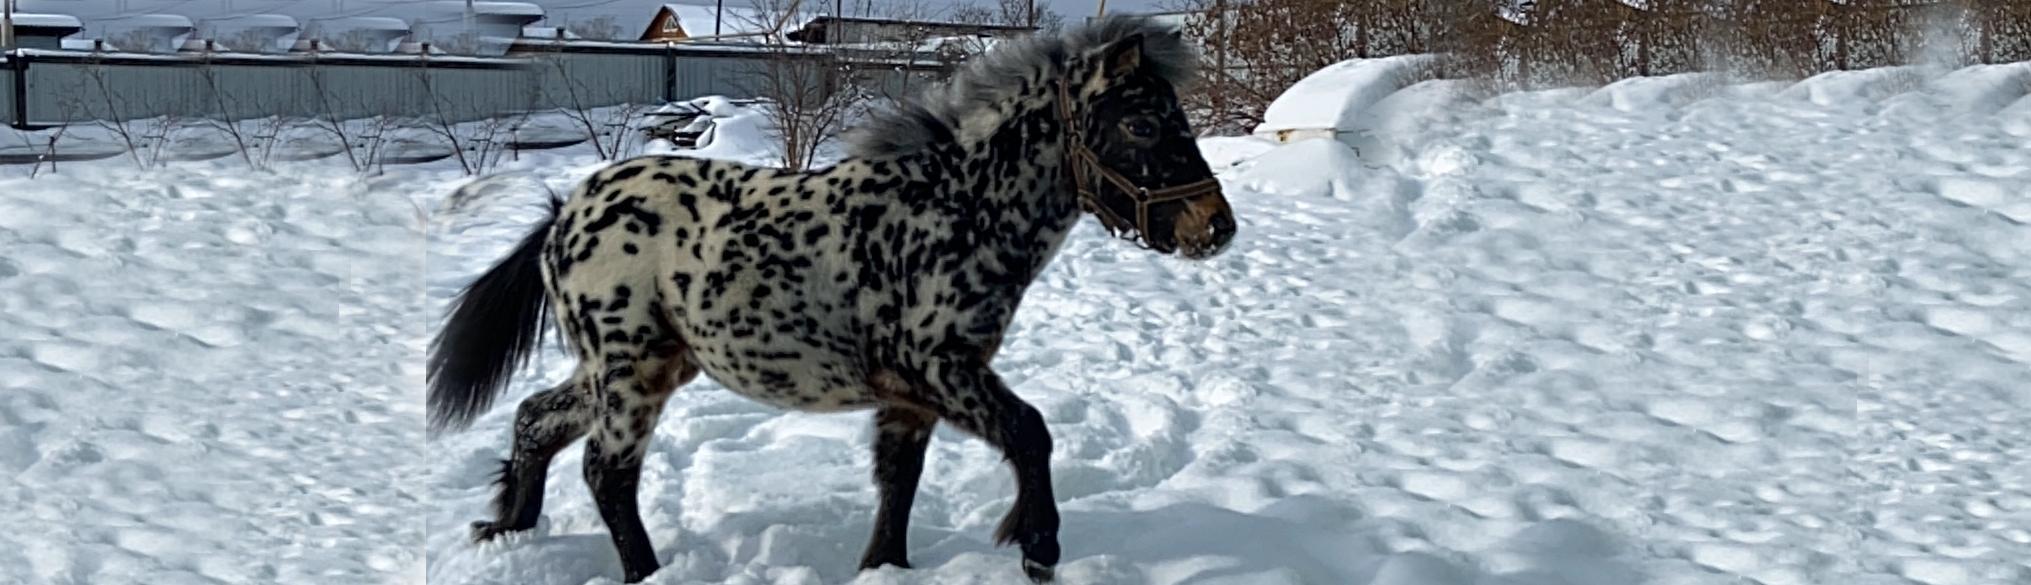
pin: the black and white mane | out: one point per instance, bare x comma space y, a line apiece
975, 92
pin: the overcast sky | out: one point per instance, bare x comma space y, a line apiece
630, 14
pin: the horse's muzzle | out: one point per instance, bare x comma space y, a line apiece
1205, 227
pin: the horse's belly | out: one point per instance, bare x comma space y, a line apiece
802, 383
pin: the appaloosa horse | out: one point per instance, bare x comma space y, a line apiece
884, 282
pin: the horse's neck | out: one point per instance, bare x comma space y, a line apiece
1011, 177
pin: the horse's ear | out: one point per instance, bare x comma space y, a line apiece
1122, 57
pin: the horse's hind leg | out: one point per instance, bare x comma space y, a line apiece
966, 393
901, 436
544, 424
638, 380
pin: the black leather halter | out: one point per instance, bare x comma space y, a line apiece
1084, 164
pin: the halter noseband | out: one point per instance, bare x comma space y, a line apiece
1080, 161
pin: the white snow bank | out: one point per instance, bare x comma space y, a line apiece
1223, 152
1981, 89
1330, 101
1295, 169
1656, 94
741, 134
1855, 89
1394, 130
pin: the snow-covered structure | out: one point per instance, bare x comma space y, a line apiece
44, 31
1329, 103
479, 28
158, 33
258, 33
372, 35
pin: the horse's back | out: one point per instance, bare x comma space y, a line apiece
746, 265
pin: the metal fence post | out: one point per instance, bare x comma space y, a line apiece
669, 72
18, 63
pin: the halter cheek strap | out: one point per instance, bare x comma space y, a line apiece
1084, 165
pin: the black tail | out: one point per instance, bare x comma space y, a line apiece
492, 329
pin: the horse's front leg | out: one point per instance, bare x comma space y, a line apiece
966, 393
901, 435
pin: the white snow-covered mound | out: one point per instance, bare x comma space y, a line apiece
1656, 94
1857, 88
1394, 129
1330, 102
1979, 90
1223, 152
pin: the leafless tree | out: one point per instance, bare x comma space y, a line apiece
329, 115
443, 120
603, 28
352, 41
598, 105
1026, 13
77, 105
226, 108
134, 40
812, 94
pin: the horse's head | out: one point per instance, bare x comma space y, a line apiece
1133, 157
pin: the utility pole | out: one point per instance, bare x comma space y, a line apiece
7, 26
1219, 85
718, 16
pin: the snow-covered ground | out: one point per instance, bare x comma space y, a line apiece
1667, 332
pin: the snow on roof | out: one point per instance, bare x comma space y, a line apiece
162, 21
698, 20
46, 21
499, 8
1332, 98
260, 20
379, 23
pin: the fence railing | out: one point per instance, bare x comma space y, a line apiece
40, 88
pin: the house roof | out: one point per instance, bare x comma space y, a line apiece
162, 21
47, 21
698, 21
523, 9
375, 23
261, 20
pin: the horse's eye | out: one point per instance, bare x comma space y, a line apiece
1141, 128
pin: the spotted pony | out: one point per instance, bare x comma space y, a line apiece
884, 282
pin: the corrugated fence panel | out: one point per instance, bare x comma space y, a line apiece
74, 86
703, 76
238, 92
591, 80
362, 91
463, 95
59, 93
7, 92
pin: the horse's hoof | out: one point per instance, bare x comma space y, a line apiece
870, 565
1039, 572
483, 531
